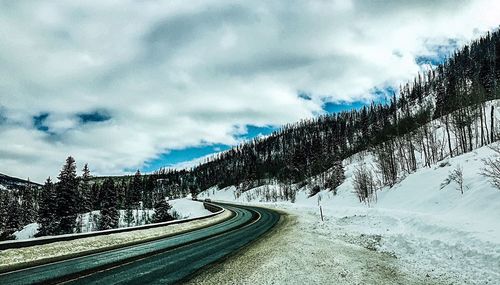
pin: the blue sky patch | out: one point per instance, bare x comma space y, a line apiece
93, 117
254, 131
432, 60
383, 94
181, 155
380, 95
439, 53
337, 107
39, 122
305, 96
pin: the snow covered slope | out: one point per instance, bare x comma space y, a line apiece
8, 182
434, 231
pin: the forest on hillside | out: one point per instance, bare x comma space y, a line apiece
443, 112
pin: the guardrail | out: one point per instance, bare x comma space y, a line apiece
216, 210
211, 207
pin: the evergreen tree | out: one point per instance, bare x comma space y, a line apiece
129, 215
85, 191
67, 197
149, 187
121, 193
13, 222
109, 213
95, 196
136, 189
336, 177
4, 211
161, 214
28, 215
135, 193
47, 219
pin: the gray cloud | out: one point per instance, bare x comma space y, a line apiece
125, 82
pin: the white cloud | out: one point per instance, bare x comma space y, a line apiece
179, 73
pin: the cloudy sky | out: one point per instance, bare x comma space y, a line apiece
140, 84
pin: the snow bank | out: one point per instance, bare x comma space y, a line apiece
27, 232
187, 208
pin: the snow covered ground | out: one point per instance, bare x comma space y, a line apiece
419, 232
28, 231
185, 208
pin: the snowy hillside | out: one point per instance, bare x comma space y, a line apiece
9, 182
433, 231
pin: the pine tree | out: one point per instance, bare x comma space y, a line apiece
67, 197
149, 187
4, 211
95, 196
85, 190
109, 213
121, 193
135, 193
336, 176
28, 215
13, 222
136, 190
162, 208
47, 218
129, 214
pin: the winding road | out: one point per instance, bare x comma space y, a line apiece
165, 261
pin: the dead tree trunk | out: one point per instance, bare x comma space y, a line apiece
492, 124
481, 116
448, 134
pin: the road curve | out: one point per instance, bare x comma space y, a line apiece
164, 261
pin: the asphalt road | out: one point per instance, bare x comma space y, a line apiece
164, 261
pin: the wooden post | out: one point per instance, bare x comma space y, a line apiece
321, 213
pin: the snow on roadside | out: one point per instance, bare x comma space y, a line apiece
27, 231
430, 231
188, 208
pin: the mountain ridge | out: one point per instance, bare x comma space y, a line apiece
9, 182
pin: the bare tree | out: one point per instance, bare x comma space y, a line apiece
387, 162
457, 176
492, 167
364, 185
